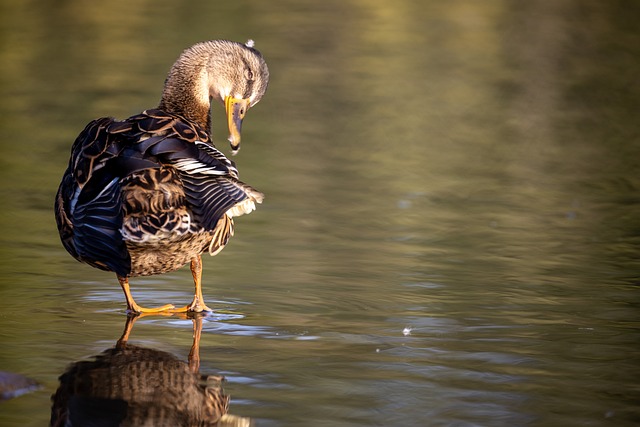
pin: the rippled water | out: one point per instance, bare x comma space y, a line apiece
451, 227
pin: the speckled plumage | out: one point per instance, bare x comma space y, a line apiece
151, 193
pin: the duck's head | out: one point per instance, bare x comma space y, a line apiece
238, 78
233, 73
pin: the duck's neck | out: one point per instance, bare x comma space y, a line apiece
186, 90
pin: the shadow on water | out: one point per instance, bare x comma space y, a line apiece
130, 385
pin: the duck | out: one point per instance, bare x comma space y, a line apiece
150, 194
131, 385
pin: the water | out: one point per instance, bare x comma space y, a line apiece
450, 232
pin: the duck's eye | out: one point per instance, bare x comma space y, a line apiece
248, 74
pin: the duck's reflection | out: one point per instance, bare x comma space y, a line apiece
130, 385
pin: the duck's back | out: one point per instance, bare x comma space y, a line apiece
144, 195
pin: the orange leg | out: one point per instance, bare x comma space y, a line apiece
194, 353
128, 326
132, 307
197, 305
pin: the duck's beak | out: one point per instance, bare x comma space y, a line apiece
236, 109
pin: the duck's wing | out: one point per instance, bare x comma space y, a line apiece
88, 203
111, 154
209, 179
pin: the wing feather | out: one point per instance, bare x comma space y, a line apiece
153, 171
97, 238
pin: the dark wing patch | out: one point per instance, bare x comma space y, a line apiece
97, 237
209, 178
88, 206
65, 226
88, 148
211, 196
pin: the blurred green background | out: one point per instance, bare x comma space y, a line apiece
466, 171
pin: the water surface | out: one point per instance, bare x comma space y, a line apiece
450, 232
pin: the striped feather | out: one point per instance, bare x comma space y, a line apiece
152, 181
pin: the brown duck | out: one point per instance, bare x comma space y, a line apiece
129, 385
151, 193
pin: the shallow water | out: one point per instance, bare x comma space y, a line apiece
450, 231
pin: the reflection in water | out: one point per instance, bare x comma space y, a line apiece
128, 385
